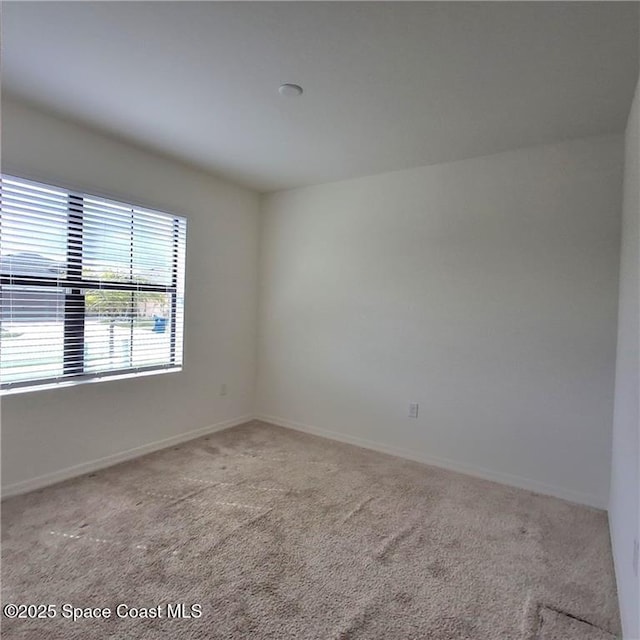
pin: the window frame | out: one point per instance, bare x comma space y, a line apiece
74, 287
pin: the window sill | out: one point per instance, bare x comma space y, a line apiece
83, 381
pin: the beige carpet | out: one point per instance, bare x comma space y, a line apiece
282, 535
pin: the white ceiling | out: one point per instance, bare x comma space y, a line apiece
387, 85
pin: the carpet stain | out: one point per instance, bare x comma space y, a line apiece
213, 451
403, 598
438, 570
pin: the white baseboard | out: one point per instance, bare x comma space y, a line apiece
520, 482
93, 465
39, 482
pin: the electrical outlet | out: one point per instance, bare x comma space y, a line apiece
223, 389
413, 410
636, 556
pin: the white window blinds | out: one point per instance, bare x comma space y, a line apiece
90, 287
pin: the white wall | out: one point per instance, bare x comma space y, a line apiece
485, 290
47, 432
624, 507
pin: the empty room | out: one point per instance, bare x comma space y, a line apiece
320, 320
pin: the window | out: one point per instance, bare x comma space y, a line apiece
89, 287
